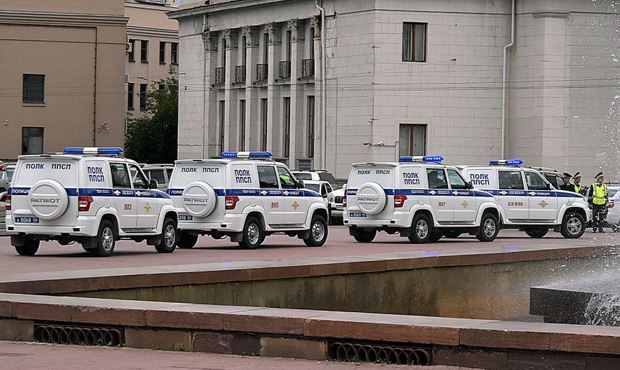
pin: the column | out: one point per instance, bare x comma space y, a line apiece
210, 49
271, 93
318, 117
229, 95
250, 93
296, 120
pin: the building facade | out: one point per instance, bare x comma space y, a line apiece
401, 78
152, 49
62, 66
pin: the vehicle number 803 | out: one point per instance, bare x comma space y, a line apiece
516, 204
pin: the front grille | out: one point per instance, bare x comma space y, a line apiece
379, 353
338, 199
59, 333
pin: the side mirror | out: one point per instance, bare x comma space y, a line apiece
469, 185
153, 184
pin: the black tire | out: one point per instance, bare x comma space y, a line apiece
421, 229
30, 247
453, 234
186, 241
168, 239
435, 236
573, 225
253, 234
536, 232
489, 228
365, 236
105, 239
318, 232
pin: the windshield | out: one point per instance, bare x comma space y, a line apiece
313, 187
303, 176
327, 176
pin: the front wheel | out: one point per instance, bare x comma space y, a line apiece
30, 247
105, 239
573, 226
420, 229
253, 234
318, 232
168, 240
536, 232
186, 241
489, 228
365, 236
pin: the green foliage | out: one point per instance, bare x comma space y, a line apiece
153, 139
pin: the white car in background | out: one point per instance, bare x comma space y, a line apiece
317, 175
337, 205
160, 173
613, 213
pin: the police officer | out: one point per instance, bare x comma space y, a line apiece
577, 188
597, 199
567, 185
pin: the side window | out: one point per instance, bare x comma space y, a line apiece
456, 181
510, 180
157, 175
436, 178
535, 182
267, 177
286, 179
328, 188
120, 176
137, 178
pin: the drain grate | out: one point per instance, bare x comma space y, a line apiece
386, 354
78, 335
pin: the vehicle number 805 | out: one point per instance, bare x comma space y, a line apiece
516, 204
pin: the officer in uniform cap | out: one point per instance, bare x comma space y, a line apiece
577, 188
567, 185
597, 199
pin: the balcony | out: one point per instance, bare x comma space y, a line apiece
240, 74
307, 68
285, 70
261, 72
220, 75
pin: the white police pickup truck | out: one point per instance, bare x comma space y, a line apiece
245, 196
528, 200
92, 196
419, 198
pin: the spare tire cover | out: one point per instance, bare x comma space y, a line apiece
199, 199
48, 199
371, 198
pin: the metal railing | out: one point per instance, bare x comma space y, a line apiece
307, 68
285, 69
262, 71
239, 74
220, 75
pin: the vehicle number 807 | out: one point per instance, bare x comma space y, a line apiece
516, 204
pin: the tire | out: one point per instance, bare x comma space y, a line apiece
421, 229
453, 234
573, 226
365, 236
253, 234
435, 236
318, 232
105, 239
29, 248
489, 228
536, 232
186, 241
168, 240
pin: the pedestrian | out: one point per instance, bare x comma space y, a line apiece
567, 185
577, 188
597, 199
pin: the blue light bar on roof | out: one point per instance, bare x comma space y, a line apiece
94, 150
506, 162
426, 158
250, 155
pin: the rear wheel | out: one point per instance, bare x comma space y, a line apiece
253, 234
186, 241
365, 236
106, 239
168, 240
573, 225
489, 228
420, 229
30, 247
318, 232
536, 232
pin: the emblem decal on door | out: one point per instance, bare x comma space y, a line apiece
295, 205
147, 208
543, 204
465, 204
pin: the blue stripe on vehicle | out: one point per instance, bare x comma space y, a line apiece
430, 192
256, 192
101, 192
72, 192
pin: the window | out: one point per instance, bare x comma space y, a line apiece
223, 54
144, 51
130, 94
174, 53
414, 42
162, 52
310, 143
436, 178
241, 125
137, 178
456, 181
143, 97
120, 176
412, 139
263, 124
34, 89
132, 51
157, 175
244, 50
287, 126
32, 140
265, 48
286, 179
169, 173
267, 177
510, 180
327, 176
311, 44
289, 45
535, 182
221, 116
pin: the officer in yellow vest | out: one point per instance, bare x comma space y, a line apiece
597, 199
577, 188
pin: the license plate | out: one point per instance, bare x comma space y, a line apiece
26, 220
185, 218
357, 214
